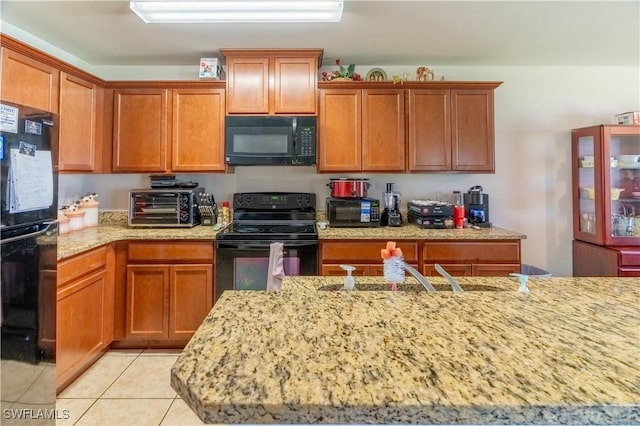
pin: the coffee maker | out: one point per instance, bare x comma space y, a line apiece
476, 205
391, 202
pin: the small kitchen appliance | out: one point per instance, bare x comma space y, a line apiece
476, 204
431, 214
164, 208
349, 187
259, 219
353, 212
391, 207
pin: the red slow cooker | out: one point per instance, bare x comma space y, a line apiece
348, 188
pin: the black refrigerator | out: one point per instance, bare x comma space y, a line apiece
29, 188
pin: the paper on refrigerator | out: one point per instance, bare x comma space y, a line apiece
30, 180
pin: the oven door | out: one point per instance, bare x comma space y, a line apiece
244, 265
259, 140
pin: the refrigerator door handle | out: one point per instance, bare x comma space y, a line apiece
29, 235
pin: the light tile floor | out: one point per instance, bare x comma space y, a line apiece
126, 387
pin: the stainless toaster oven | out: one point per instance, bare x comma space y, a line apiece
164, 207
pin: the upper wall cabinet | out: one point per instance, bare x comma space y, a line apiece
361, 130
414, 127
169, 129
272, 81
80, 142
451, 128
27, 81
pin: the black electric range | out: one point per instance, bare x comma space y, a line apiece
275, 216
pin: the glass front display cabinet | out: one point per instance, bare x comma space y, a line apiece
606, 189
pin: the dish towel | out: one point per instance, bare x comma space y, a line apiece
276, 267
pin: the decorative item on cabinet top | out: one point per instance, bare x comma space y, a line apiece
343, 73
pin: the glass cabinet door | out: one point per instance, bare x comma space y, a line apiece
587, 216
622, 185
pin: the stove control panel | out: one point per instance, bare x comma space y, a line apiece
274, 200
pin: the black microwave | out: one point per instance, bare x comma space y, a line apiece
353, 212
270, 140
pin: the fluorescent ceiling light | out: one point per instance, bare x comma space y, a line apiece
161, 11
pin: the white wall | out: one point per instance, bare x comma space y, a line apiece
535, 110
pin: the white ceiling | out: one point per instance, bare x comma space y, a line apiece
455, 33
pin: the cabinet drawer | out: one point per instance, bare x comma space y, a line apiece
81, 264
171, 251
629, 257
359, 252
472, 252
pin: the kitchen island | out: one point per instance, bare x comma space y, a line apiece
567, 352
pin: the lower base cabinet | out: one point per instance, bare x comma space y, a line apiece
84, 312
364, 255
168, 292
485, 258
591, 260
167, 302
460, 258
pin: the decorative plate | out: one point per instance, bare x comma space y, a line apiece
376, 74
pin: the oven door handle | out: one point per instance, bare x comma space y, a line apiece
46, 228
262, 245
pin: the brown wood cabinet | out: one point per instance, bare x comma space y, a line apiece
361, 130
140, 130
272, 81
80, 138
198, 130
451, 130
472, 258
364, 255
169, 289
168, 128
606, 200
162, 129
84, 312
28, 81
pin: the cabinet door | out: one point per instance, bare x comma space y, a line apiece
472, 131
80, 313
248, 85
429, 128
147, 301
455, 269
336, 270
340, 130
495, 270
78, 112
294, 85
198, 130
140, 130
28, 82
191, 293
383, 130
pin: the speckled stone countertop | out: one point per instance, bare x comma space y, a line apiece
113, 227
413, 232
567, 353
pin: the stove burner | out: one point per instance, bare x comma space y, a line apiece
287, 229
249, 229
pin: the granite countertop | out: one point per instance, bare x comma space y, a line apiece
568, 352
113, 227
414, 232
